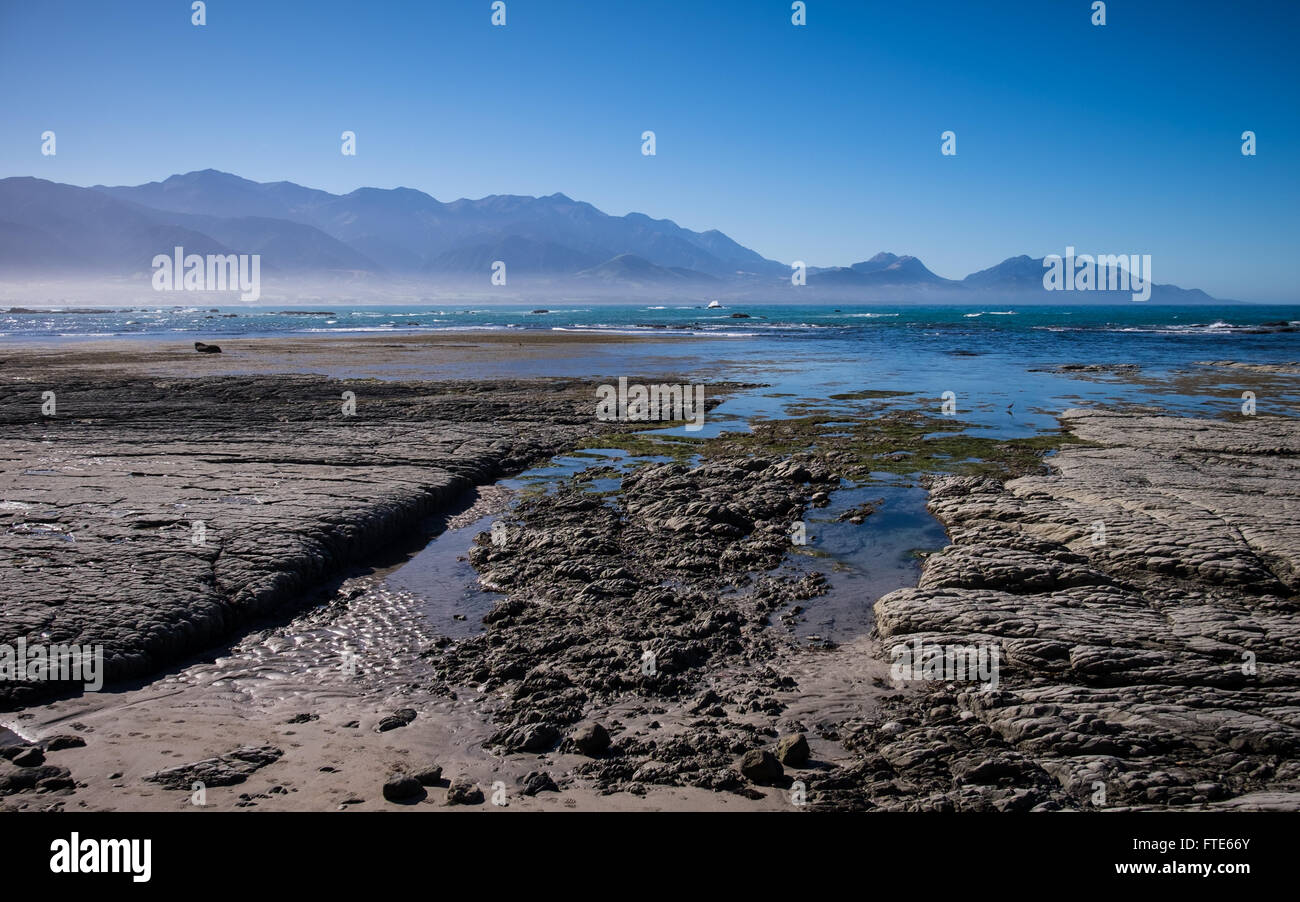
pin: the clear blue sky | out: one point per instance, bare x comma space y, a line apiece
818, 143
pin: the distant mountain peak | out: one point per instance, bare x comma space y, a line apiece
210, 176
885, 269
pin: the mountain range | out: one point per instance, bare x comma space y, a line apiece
49, 230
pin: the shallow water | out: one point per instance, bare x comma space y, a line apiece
864, 561
441, 575
1000, 369
997, 366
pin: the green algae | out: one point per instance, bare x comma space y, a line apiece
893, 440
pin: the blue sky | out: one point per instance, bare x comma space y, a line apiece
818, 143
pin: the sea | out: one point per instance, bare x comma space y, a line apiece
989, 356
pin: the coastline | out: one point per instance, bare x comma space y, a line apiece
299, 353
330, 492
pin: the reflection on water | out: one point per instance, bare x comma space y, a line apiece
861, 560
441, 575
453, 601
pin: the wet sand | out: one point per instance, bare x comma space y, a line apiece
455, 354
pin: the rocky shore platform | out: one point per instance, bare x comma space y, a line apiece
1137, 576
1145, 597
156, 517
1139, 595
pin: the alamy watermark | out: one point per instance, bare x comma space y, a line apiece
59, 663
651, 403
75, 855
1105, 272
214, 272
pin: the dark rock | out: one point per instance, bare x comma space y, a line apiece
206, 349
591, 739
63, 741
793, 750
29, 757
760, 766
463, 792
538, 781
402, 788
18, 779
55, 784
223, 770
706, 701
429, 776
399, 718
534, 737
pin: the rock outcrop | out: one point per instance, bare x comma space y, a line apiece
1145, 603
638, 599
156, 517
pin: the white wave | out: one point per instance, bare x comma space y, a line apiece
651, 333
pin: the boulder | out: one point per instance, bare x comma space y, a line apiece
29, 757
538, 781
429, 776
402, 788
793, 750
463, 792
63, 741
760, 766
591, 739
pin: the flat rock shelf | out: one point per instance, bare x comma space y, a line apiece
1144, 597
156, 517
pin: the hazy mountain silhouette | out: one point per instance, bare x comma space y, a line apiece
884, 269
634, 270
49, 229
523, 256
52, 229
403, 230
